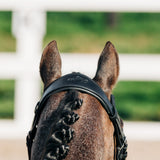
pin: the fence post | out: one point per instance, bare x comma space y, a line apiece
29, 29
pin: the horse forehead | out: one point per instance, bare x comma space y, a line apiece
90, 103
51, 105
61, 98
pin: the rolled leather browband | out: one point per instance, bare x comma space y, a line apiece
83, 84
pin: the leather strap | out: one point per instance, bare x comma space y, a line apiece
83, 84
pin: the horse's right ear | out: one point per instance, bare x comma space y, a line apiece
50, 65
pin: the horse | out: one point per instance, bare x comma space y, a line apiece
71, 123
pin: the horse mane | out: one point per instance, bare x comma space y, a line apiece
57, 128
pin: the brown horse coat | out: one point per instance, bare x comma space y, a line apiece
93, 132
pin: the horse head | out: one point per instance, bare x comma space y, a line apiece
73, 124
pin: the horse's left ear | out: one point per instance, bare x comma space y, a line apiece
50, 65
108, 68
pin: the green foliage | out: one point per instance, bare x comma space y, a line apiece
138, 23
138, 100
88, 32
7, 41
6, 98
5, 22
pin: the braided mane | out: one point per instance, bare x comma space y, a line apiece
60, 131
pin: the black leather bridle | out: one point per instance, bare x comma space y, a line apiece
83, 84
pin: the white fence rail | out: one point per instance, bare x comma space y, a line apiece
82, 5
28, 26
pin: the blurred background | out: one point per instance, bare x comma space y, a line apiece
136, 36
82, 32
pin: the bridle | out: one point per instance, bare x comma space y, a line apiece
83, 84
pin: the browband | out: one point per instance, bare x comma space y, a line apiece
83, 84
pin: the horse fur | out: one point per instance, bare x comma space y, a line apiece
93, 137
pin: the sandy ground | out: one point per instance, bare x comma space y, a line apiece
138, 150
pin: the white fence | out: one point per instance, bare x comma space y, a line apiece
28, 26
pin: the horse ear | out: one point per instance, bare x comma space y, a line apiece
50, 65
108, 68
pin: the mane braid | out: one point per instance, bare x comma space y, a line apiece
61, 133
